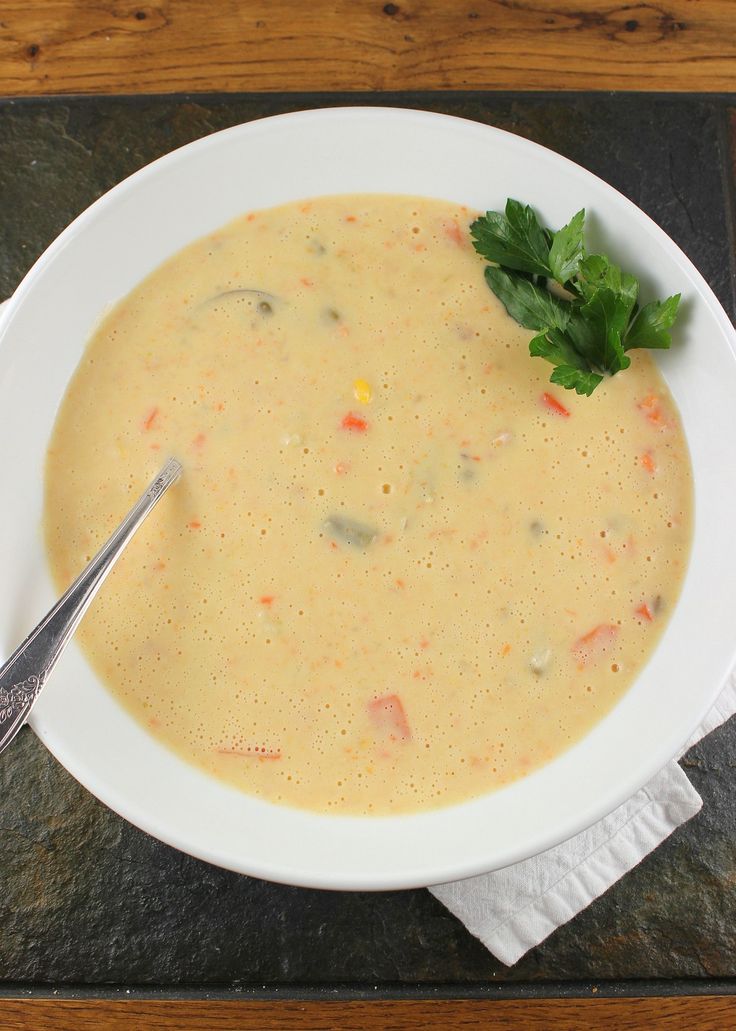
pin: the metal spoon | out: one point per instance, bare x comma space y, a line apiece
29, 667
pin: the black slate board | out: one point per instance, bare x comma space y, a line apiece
88, 901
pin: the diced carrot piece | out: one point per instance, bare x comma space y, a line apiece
644, 612
266, 599
387, 714
194, 525
452, 232
150, 419
554, 405
609, 553
652, 410
648, 462
595, 643
251, 752
354, 423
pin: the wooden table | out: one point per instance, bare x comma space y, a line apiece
63, 47
121, 46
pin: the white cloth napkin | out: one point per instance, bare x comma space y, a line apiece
514, 909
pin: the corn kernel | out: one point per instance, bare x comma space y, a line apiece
362, 391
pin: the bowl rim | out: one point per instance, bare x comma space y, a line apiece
422, 873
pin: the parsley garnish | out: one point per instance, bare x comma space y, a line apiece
586, 332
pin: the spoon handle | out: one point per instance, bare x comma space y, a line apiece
29, 667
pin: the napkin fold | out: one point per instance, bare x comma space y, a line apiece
514, 909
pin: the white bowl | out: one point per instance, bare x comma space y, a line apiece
190, 192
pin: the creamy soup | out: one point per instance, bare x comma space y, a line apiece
401, 569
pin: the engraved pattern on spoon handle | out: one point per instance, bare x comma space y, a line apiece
28, 668
15, 704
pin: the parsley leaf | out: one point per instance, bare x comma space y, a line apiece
532, 306
567, 250
585, 328
649, 328
575, 379
596, 271
571, 369
515, 240
603, 319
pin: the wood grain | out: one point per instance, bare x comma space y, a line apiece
120, 46
713, 1013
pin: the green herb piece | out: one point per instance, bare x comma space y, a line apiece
586, 326
575, 379
514, 240
350, 531
596, 272
649, 328
532, 306
567, 250
571, 369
